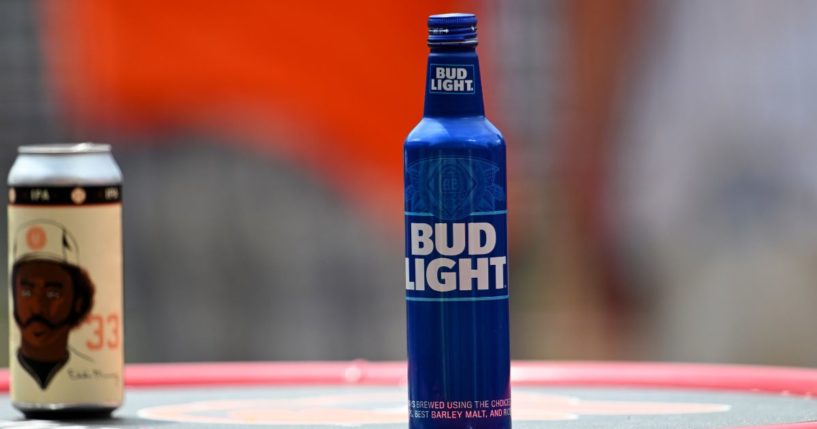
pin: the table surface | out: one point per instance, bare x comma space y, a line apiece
565, 395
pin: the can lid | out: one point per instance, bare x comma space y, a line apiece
64, 148
452, 29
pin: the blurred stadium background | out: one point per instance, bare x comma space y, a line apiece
662, 156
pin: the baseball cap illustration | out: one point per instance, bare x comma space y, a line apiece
44, 239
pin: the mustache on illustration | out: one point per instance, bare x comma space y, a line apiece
40, 319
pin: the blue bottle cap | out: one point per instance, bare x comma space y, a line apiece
452, 29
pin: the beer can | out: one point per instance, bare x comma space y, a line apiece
65, 281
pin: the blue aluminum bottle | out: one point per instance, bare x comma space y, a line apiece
456, 244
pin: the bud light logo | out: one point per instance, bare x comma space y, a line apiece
449, 248
464, 251
452, 79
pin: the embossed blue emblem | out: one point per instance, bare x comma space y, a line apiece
452, 188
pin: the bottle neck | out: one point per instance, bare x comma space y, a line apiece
453, 85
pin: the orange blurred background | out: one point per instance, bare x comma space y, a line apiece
660, 183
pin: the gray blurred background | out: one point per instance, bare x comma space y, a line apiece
663, 191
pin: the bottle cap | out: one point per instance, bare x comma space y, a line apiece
452, 29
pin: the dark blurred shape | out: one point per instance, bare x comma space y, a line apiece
235, 256
600, 52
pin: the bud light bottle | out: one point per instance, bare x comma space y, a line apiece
456, 244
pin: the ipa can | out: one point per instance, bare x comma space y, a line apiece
65, 281
456, 244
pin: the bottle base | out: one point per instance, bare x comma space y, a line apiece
67, 413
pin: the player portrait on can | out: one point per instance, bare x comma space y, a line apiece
51, 295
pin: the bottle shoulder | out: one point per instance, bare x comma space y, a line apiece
448, 131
